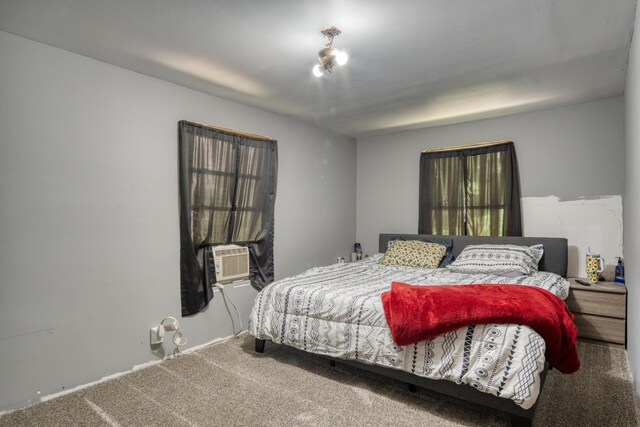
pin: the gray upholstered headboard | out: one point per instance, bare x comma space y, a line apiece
554, 259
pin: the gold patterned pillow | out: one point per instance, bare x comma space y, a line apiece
413, 253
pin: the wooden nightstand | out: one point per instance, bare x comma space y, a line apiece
600, 312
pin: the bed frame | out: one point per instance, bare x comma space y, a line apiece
554, 260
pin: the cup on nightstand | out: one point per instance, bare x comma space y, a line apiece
595, 265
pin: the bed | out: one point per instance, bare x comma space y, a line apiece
336, 311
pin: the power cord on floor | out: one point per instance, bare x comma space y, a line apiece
228, 298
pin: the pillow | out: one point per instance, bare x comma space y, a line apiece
448, 243
412, 253
501, 260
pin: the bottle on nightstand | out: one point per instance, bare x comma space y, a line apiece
619, 272
357, 248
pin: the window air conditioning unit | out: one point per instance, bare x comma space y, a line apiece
231, 262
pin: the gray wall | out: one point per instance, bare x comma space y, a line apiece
571, 152
632, 205
89, 241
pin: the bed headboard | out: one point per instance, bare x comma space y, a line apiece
554, 259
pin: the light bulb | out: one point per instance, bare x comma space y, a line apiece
317, 71
342, 58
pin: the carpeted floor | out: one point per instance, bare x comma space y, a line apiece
227, 384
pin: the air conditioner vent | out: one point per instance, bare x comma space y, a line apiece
231, 262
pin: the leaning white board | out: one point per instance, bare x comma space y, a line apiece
594, 223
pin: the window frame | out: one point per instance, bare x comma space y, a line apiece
233, 178
436, 166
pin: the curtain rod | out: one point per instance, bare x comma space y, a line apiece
235, 132
461, 147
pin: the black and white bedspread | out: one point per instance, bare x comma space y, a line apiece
337, 311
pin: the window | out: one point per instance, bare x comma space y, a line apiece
227, 192
472, 191
227, 195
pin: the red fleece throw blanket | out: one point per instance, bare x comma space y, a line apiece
417, 313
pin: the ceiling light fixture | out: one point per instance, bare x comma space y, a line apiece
329, 56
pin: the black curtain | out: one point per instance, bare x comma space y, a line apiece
227, 186
470, 191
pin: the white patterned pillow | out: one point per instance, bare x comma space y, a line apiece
501, 260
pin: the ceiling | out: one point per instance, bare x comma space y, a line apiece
412, 63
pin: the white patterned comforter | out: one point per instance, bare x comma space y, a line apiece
337, 311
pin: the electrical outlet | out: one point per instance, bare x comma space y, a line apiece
156, 334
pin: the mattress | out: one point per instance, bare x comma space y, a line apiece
337, 311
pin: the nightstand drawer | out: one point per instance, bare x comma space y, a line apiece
600, 303
600, 328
